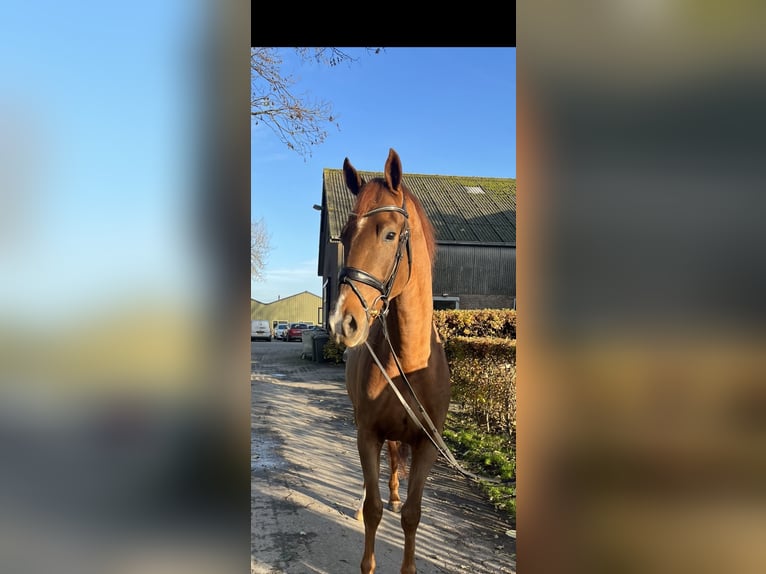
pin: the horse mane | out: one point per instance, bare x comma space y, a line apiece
372, 196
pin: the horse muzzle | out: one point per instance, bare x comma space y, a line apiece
349, 323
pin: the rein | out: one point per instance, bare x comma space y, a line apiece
348, 275
432, 433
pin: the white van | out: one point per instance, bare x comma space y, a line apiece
260, 330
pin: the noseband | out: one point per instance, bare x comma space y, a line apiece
350, 274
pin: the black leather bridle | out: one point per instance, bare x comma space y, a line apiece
350, 274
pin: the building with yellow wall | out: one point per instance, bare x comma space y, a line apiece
301, 308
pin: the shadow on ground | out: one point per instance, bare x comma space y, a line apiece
306, 483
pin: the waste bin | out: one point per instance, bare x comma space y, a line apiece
319, 340
308, 344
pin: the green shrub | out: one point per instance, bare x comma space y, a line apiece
475, 323
483, 376
333, 351
487, 455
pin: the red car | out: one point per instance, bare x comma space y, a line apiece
295, 332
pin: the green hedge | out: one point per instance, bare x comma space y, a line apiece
481, 350
483, 375
333, 351
476, 323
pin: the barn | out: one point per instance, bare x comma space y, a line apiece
299, 308
475, 223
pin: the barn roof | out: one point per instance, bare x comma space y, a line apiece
461, 209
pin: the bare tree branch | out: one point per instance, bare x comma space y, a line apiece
297, 120
260, 246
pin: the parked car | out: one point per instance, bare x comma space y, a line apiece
295, 332
260, 329
280, 331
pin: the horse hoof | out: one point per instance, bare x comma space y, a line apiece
395, 506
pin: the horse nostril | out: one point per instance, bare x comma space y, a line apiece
349, 325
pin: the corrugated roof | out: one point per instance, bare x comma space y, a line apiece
457, 212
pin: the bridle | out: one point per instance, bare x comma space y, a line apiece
348, 275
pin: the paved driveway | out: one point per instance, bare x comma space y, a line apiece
306, 483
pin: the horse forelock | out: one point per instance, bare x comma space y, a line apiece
373, 195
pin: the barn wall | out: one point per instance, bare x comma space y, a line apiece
476, 270
332, 262
487, 302
483, 277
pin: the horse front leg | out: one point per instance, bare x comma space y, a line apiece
359, 514
372, 509
394, 463
423, 457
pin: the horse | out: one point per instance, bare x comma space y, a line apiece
384, 316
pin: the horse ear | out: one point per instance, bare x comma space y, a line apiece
353, 179
393, 171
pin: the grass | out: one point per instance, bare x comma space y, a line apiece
488, 455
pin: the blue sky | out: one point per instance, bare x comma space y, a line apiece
96, 107
448, 111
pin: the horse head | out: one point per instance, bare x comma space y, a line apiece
377, 251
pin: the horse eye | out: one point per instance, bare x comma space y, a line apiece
390, 236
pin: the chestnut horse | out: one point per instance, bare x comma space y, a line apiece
389, 251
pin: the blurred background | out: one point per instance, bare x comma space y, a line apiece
124, 362
641, 250
124, 208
